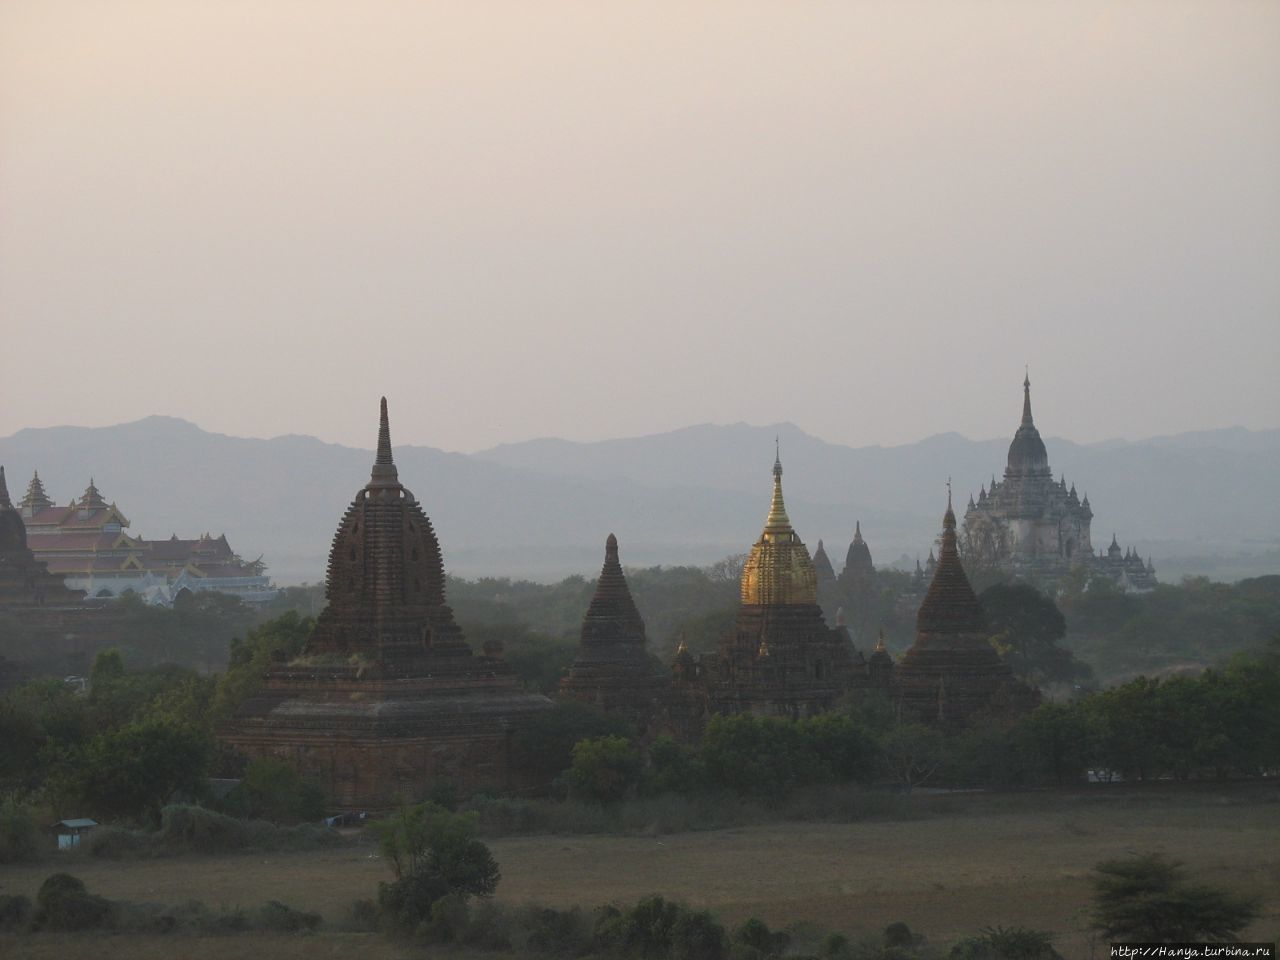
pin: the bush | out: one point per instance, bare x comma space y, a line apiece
274, 790
759, 941
559, 933
116, 843
697, 936
674, 768
15, 911
405, 904
63, 903
1148, 899
604, 770
655, 927
20, 838
362, 916
278, 917
999, 943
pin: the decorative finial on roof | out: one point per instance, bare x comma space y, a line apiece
778, 521
5, 502
611, 548
857, 531
36, 499
384, 468
1026, 399
949, 518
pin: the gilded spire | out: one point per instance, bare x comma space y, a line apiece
778, 521
384, 468
5, 502
778, 569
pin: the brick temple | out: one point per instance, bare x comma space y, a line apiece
781, 658
387, 696
613, 669
952, 674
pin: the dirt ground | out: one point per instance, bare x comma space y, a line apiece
991, 861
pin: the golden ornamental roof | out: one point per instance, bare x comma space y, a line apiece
778, 569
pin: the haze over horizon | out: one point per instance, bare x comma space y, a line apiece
591, 221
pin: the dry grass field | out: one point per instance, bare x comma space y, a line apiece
982, 860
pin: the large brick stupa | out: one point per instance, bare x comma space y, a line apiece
387, 696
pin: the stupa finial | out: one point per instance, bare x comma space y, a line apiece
384, 468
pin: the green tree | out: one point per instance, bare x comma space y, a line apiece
132, 771
1147, 899
543, 747
437, 860
758, 756
274, 790
674, 768
913, 753
1026, 627
278, 640
1054, 736
604, 769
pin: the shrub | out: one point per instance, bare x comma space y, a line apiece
274, 790
405, 904
20, 838
15, 911
449, 919
282, 918
559, 933
362, 916
116, 843
759, 941
1000, 943
1147, 899
697, 936
674, 767
63, 903
604, 769
201, 830
490, 928
656, 928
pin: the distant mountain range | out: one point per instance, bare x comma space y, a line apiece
1198, 502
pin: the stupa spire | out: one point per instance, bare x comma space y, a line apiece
778, 521
384, 468
1026, 400
5, 502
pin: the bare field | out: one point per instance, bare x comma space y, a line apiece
1020, 860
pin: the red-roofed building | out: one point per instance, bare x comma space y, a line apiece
84, 542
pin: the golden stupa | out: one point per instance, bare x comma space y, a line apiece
778, 569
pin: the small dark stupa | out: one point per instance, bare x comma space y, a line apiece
26, 582
387, 695
613, 670
951, 673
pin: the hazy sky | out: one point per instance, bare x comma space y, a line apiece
603, 219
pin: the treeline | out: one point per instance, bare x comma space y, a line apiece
134, 740
1191, 625
1222, 724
